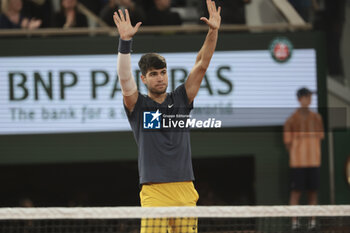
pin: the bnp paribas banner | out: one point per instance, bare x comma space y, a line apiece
81, 93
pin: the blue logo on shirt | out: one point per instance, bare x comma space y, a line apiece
151, 120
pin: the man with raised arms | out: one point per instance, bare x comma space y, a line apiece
164, 160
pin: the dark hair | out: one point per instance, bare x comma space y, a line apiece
303, 92
151, 60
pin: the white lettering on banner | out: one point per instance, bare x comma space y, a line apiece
191, 123
81, 93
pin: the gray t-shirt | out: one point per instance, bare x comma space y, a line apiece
164, 154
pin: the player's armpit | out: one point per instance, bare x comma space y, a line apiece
130, 101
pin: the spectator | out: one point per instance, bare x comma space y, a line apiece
233, 11
80, 199
303, 132
39, 9
136, 13
12, 17
335, 20
28, 225
160, 14
94, 5
26, 202
145, 4
178, 3
303, 7
69, 16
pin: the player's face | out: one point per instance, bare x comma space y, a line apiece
156, 80
305, 101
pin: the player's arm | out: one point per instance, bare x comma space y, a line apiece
205, 54
287, 134
288, 146
320, 127
126, 79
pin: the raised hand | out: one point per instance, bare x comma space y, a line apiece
125, 29
214, 15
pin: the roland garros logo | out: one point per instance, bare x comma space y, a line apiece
281, 49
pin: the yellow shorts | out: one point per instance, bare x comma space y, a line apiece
169, 194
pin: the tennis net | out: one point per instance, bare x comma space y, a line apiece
241, 219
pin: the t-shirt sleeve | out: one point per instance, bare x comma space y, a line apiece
180, 95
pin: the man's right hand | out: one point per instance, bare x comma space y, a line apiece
125, 29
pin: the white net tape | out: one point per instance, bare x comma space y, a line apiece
170, 212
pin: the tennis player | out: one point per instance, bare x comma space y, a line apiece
164, 160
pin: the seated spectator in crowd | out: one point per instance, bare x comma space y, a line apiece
136, 12
178, 3
69, 16
145, 4
12, 18
334, 25
94, 5
232, 11
303, 7
39, 9
160, 14
26, 202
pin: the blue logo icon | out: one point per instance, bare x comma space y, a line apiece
151, 120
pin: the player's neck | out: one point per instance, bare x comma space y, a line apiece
159, 98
